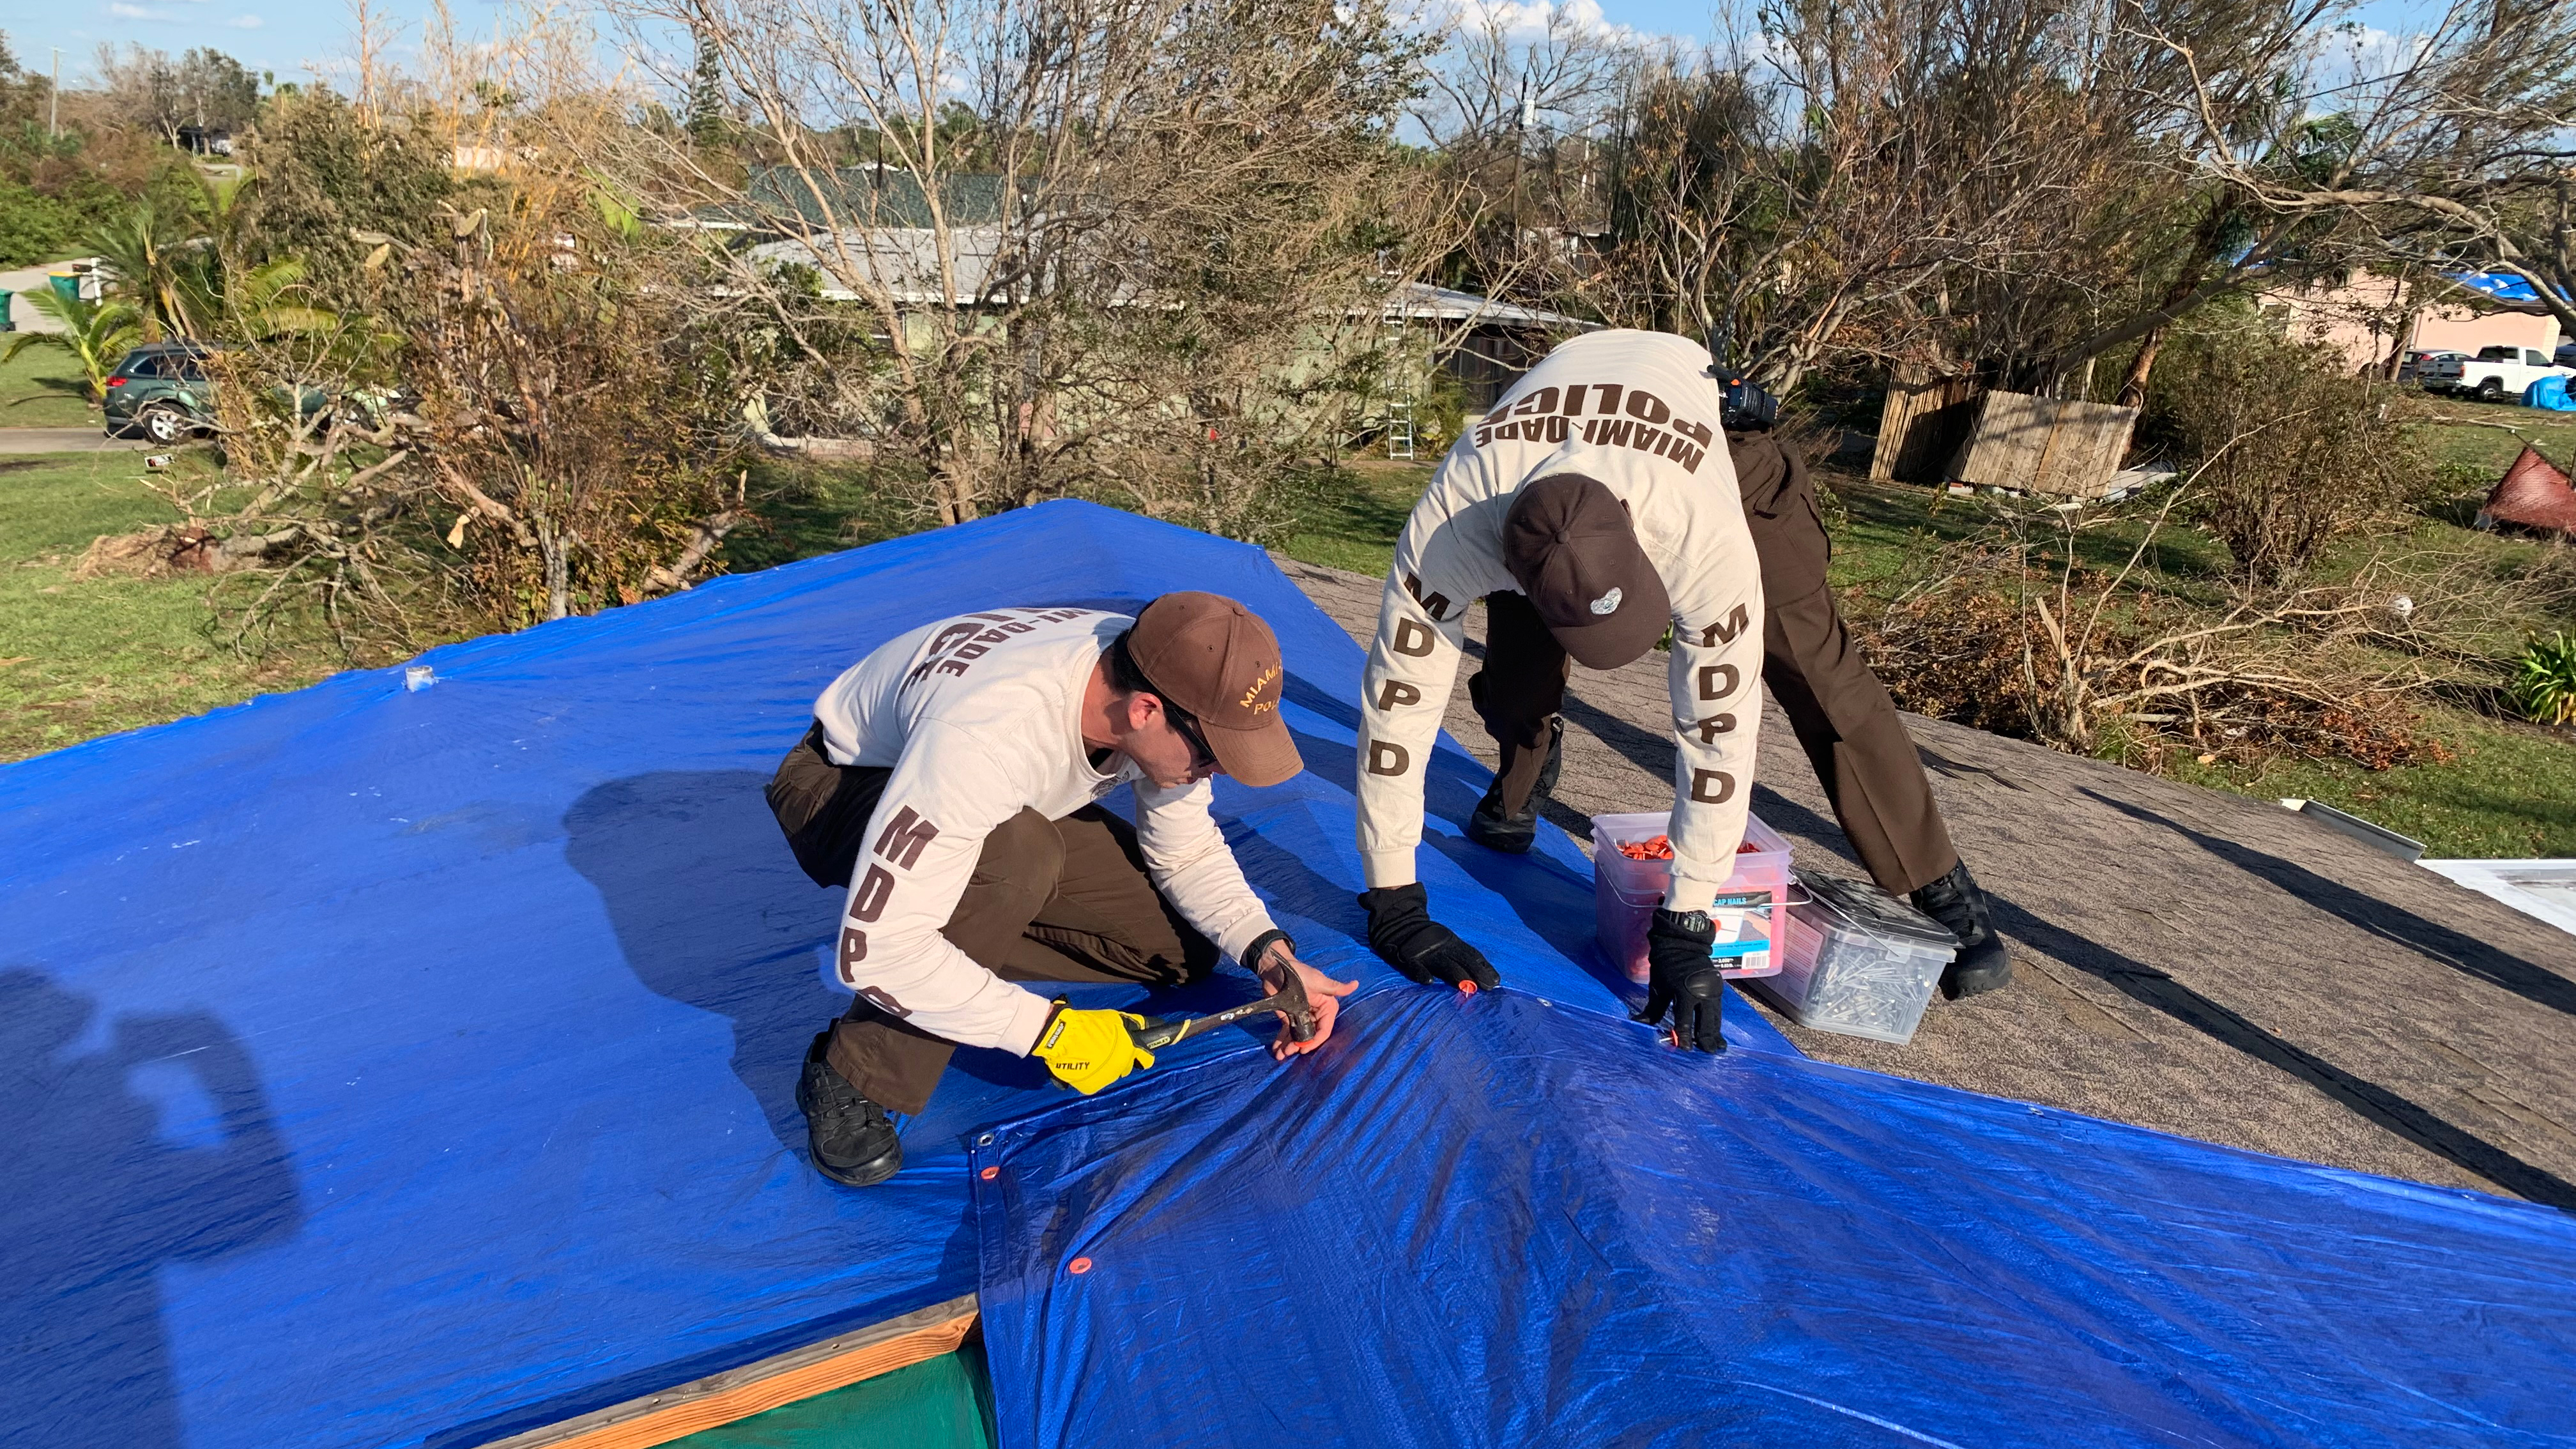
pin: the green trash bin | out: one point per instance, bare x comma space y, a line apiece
6, 325
66, 286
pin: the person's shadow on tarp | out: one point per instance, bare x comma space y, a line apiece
102, 1191
711, 911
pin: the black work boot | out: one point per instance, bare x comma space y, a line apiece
1515, 833
1982, 963
852, 1138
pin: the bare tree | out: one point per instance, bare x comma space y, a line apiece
1966, 183
1046, 245
1518, 104
2294, 452
2448, 149
201, 88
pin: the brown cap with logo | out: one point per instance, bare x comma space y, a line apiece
1215, 659
1568, 542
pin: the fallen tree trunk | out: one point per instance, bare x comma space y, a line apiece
671, 578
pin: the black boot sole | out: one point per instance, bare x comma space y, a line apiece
866, 1174
1988, 968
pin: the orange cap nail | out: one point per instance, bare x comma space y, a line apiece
988, 1174
1078, 1265
1466, 987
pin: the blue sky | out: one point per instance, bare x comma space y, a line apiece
291, 37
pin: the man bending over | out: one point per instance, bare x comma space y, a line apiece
1594, 507
948, 783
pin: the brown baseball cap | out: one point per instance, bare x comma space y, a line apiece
1215, 659
1568, 542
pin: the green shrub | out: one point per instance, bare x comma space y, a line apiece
1442, 415
2450, 492
2287, 449
2544, 681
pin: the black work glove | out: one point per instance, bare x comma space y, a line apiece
1681, 976
1403, 935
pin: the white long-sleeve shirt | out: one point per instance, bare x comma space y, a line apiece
979, 717
1638, 412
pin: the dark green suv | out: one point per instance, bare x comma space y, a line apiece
161, 391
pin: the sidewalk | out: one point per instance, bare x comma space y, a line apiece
18, 441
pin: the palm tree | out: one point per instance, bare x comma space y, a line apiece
159, 268
97, 334
255, 302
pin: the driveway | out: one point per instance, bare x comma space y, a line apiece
27, 279
63, 440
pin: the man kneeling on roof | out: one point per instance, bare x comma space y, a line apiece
948, 782
1592, 509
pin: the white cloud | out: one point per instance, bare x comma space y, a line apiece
2354, 56
124, 11
245, 22
1528, 19
1514, 20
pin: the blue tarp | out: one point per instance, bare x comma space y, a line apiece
2503, 286
397, 1068
416, 1068
1491, 1221
2549, 392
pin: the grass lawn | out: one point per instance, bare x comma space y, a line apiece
80, 658
810, 509
2486, 436
1349, 518
43, 389
2510, 791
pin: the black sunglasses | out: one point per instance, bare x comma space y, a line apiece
1201, 757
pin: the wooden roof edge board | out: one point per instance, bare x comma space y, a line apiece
799, 1373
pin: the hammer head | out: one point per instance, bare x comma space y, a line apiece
1290, 999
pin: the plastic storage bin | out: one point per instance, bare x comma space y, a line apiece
1625, 893
1857, 961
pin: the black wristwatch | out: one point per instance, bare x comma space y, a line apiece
1261, 945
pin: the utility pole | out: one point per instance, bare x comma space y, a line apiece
54, 100
1520, 151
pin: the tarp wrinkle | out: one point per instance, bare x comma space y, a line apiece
1498, 1222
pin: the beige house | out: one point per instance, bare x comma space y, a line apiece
2367, 319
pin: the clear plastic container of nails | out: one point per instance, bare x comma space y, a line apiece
1856, 961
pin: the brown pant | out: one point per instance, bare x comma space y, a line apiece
1840, 711
1050, 900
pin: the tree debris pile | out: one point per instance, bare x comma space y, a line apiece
2057, 659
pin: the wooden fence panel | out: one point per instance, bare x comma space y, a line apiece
2042, 445
1920, 425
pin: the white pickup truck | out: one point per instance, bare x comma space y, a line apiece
2495, 374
